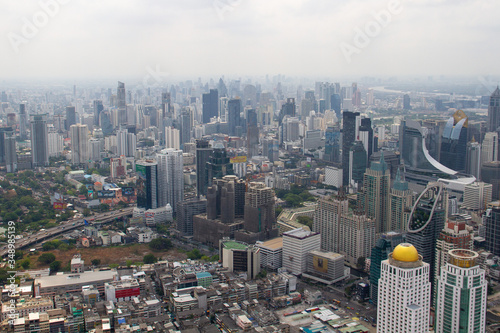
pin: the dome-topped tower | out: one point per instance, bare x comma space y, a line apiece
405, 252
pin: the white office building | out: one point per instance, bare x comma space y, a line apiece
79, 143
404, 292
296, 244
170, 177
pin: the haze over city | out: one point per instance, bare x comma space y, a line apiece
189, 39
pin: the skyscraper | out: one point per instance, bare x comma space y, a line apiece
455, 235
147, 184
454, 142
233, 116
98, 107
121, 142
218, 164
202, 156
170, 178
210, 105
406, 102
326, 220
493, 228
23, 121
426, 221
366, 136
357, 163
404, 292
186, 127
287, 109
348, 138
332, 144
39, 140
380, 252
401, 204
185, 211
9, 150
489, 149
376, 189
70, 117
462, 294
121, 96
296, 244
494, 111
79, 144
477, 196
357, 236
259, 209
336, 104
252, 134
473, 159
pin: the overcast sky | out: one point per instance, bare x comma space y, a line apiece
116, 39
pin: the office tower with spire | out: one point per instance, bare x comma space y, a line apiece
348, 137
401, 203
376, 191
70, 117
404, 292
121, 104
23, 121
473, 159
210, 107
462, 292
494, 111
79, 135
380, 252
39, 140
427, 220
326, 220
233, 117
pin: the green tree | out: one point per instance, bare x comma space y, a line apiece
306, 220
262, 274
214, 257
86, 212
149, 259
160, 244
25, 263
55, 266
129, 263
361, 262
293, 200
47, 258
194, 254
95, 262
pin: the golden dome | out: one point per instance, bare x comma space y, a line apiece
405, 252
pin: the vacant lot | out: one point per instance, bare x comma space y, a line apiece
109, 255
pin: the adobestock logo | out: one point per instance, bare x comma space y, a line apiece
363, 37
31, 28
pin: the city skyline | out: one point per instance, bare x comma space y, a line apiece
160, 41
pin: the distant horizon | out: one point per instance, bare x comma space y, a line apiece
82, 40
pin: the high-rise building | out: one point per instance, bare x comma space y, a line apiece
401, 204
147, 184
170, 178
98, 108
259, 209
477, 196
426, 221
406, 102
376, 189
79, 144
494, 111
404, 292
172, 137
56, 144
210, 105
121, 96
462, 292
70, 117
473, 159
357, 236
332, 144
252, 134
455, 235
380, 252
23, 121
326, 221
233, 117
218, 164
493, 228
94, 150
454, 142
185, 211
287, 109
348, 137
185, 126
489, 148
296, 244
336, 104
7, 130
39, 140
203, 153
121, 142
9, 150
131, 145
357, 164
366, 136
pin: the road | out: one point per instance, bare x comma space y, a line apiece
65, 226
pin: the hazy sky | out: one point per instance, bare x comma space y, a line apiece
117, 39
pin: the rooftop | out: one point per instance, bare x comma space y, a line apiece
233, 245
273, 244
81, 278
300, 233
328, 255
